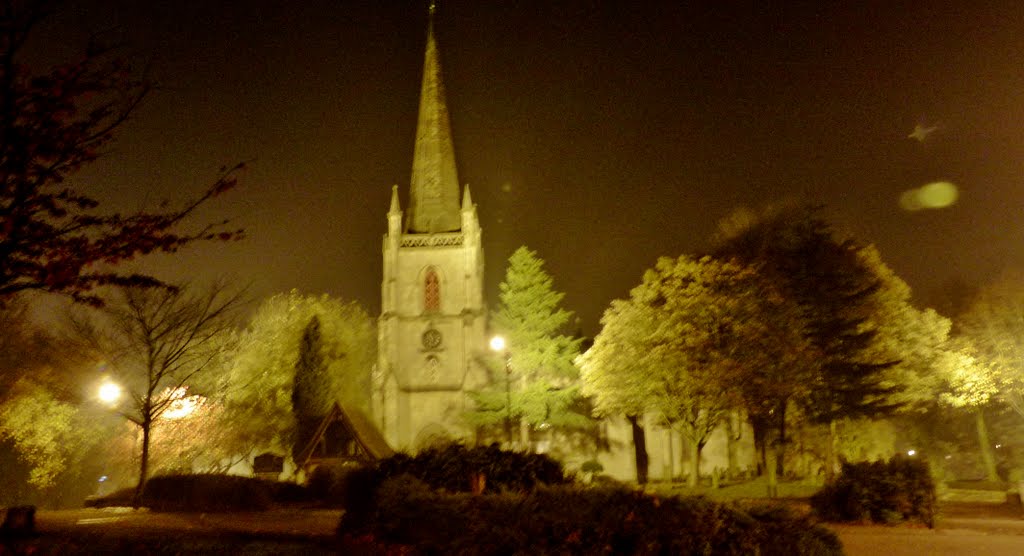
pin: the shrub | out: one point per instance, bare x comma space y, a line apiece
283, 492
207, 493
880, 492
120, 497
454, 466
566, 520
329, 483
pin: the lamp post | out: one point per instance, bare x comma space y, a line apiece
498, 345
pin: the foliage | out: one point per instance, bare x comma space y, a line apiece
40, 428
834, 285
972, 383
207, 493
544, 387
877, 354
412, 516
994, 326
330, 483
867, 439
689, 334
44, 431
257, 389
158, 342
52, 124
452, 467
881, 492
311, 395
194, 439
917, 339
313, 391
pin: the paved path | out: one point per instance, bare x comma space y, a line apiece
297, 523
953, 536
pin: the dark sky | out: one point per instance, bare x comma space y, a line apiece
600, 134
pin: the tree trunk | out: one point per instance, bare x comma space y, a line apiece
694, 477
147, 425
780, 441
733, 435
771, 451
524, 436
830, 453
987, 456
639, 448
671, 455
759, 453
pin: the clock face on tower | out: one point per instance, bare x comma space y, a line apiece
431, 339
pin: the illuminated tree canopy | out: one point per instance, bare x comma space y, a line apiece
994, 326
544, 387
696, 339
258, 389
40, 420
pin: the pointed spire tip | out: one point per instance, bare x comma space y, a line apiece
395, 207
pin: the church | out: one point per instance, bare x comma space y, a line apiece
431, 331
433, 323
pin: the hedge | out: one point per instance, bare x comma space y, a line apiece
900, 489
410, 517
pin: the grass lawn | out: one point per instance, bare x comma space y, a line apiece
753, 489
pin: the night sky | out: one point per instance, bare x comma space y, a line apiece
600, 134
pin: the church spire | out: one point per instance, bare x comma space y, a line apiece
434, 192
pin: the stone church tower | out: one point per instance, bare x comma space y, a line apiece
431, 327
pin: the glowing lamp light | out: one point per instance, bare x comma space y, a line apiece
911, 453
181, 404
498, 343
109, 392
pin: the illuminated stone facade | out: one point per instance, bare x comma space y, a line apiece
431, 327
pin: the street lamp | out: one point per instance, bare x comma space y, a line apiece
498, 346
109, 392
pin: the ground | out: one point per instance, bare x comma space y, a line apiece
126, 531
987, 528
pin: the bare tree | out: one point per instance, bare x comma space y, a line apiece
158, 342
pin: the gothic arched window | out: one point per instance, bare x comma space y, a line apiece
431, 292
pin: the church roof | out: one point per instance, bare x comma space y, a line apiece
369, 443
434, 191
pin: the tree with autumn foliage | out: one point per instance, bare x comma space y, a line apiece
53, 237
